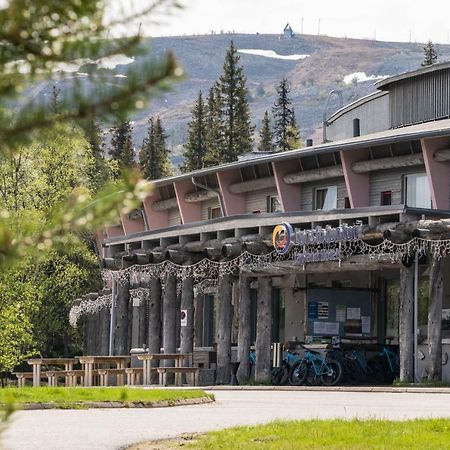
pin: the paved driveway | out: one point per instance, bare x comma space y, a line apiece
114, 428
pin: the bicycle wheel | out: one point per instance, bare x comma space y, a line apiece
298, 373
334, 376
280, 375
352, 371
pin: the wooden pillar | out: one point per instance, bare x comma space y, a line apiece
435, 320
198, 319
121, 337
104, 318
138, 330
225, 290
263, 331
243, 373
170, 317
187, 304
154, 322
406, 321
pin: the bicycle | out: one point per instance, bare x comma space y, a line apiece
313, 368
280, 375
389, 363
351, 371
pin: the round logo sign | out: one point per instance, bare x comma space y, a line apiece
282, 238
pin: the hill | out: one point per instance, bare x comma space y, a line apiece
314, 65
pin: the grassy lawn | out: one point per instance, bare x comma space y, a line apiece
329, 434
71, 397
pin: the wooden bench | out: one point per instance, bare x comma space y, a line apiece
22, 377
178, 371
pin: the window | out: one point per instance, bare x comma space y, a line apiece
386, 198
347, 203
417, 191
273, 204
326, 198
214, 212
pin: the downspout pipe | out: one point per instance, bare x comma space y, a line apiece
324, 118
211, 189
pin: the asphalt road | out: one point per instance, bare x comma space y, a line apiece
115, 428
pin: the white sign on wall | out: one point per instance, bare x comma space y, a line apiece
183, 317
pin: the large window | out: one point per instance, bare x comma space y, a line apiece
273, 204
326, 198
214, 212
417, 191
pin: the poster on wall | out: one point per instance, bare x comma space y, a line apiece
353, 313
323, 310
340, 313
313, 308
322, 328
365, 324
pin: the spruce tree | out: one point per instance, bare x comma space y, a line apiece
266, 143
236, 124
430, 56
284, 117
214, 136
122, 149
194, 156
292, 133
154, 155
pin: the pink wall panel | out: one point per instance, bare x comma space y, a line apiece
189, 212
288, 194
233, 203
155, 219
357, 184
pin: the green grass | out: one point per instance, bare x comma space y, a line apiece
71, 397
423, 383
331, 434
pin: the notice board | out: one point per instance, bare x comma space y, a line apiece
339, 312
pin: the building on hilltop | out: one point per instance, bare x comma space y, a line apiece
288, 32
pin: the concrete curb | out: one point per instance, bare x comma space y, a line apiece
382, 389
105, 405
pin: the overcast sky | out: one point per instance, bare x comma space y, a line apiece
396, 20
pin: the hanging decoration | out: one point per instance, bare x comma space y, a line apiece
88, 307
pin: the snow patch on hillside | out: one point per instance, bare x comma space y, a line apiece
360, 77
271, 54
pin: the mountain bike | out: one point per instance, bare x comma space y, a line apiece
280, 375
313, 368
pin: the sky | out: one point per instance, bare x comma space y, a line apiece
386, 20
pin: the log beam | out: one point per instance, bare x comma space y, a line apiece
164, 205
243, 373
154, 321
199, 196
225, 313
406, 319
314, 175
121, 336
187, 304
169, 319
436, 288
373, 165
252, 185
263, 331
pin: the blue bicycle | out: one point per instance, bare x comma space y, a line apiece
280, 375
313, 368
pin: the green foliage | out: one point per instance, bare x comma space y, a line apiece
285, 128
266, 142
214, 137
194, 156
336, 434
154, 154
122, 149
233, 94
429, 54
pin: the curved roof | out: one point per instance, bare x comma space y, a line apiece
383, 84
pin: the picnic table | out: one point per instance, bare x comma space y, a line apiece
89, 361
37, 364
148, 358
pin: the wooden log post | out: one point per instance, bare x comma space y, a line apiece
121, 337
406, 321
198, 319
154, 322
263, 331
170, 317
223, 374
435, 320
243, 373
187, 305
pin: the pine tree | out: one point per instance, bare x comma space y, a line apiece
194, 156
284, 117
122, 145
214, 136
430, 56
266, 142
236, 124
154, 155
292, 134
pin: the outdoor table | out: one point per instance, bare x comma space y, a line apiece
89, 361
37, 363
148, 358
